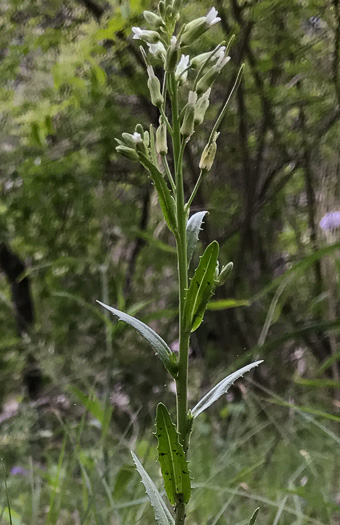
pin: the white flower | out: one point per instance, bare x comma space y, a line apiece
222, 61
182, 66
151, 37
221, 52
173, 42
136, 137
212, 18
157, 50
192, 98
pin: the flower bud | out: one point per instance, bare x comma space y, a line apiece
169, 12
128, 140
225, 273
157, 50
146, 138
208, 155
172, 56
127, 152
199, 60
207, 80
193, 30
139, 129
201, 107
150, 37
153, 19
154, 88
161, 139
187, 128
161, 8
180, 72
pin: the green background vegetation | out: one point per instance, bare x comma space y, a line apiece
86, 225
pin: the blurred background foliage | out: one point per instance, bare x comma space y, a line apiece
78, 223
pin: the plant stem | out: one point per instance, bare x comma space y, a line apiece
181, 244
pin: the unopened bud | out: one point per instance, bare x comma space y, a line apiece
154, 88
139, 129
225, 273
129, 140
161, 139
146, 138
169, 12
181, 72
127, 152
187, 128
207, 80
172, 55
161, 8
153, 19
199, 60
208, 155
201, 107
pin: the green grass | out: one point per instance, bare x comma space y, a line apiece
252, 453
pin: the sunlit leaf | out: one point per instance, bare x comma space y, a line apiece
224, 304
171, 457
166, 355
194, 225
221, 388
162, 514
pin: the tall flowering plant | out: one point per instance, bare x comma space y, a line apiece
182, 95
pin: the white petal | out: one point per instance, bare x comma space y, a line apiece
136, 137
212, 18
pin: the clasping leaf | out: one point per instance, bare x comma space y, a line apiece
166, 355
221, 388
171, 457
162, 514
166, 200
193, 228
202, 286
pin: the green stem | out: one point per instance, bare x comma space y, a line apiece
181, 244
168, 172
195, 190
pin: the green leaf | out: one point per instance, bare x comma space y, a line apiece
221, 388
254, 516
166, 355
201, 288
171, 457
193, 228
166, 200
224, 304
162, 514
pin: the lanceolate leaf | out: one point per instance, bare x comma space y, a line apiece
171, 457
166, 355
201, 288
193, 228
221, 388
224, 304
254, 516
166, 200
162, 514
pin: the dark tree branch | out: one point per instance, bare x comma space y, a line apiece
13, 268
139, 243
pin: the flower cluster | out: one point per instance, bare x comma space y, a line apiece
173, 52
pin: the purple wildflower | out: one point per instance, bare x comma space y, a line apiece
330, 221
19, 471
